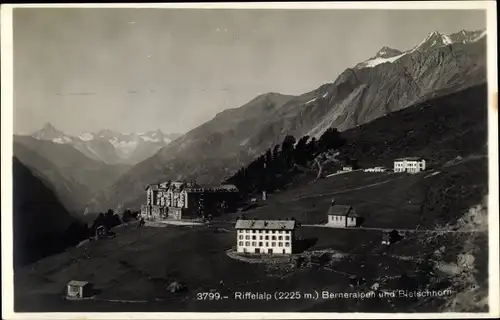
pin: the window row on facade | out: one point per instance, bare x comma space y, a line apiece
248, 237
264, 231
261, 244
409, 164
338, 218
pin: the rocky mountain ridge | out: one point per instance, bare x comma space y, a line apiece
110, 146
218, 148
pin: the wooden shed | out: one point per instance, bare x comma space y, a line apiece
78, 289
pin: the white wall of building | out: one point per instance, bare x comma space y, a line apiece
184, 196
351, 221
250, 239
376, 169
337, 221
409, 166
341, 221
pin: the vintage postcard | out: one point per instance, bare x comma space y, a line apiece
250, 160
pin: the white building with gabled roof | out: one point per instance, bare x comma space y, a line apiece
265, 236
341, 216
409, 164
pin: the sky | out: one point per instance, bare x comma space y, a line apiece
174, 69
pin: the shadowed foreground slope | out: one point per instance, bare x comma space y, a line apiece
42, 226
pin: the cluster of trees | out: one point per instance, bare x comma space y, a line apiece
276, 167
129, 216
41, 245
108, 220
79, 231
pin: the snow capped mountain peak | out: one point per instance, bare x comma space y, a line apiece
433, 40
464, 36
86, 136
105, 133
384, 55
48, 129
50, 133
152, 136
436, 39
113, 136
387, 52
119, 140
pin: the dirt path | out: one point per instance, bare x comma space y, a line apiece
390, 229
121, 301
346, 190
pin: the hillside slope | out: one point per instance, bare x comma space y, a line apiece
439, 130
40, 221
446, 131
69, 191
215, 150
136, 266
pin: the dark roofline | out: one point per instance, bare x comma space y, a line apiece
409, 158
288, 225
349, 211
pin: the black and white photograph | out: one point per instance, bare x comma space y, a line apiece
224, 159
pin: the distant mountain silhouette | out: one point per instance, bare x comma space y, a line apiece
109, 146
74, 176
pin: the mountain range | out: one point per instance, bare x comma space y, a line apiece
389, 81
73, 176
79, 167
433, 40
110, 146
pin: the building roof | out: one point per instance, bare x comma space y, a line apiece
352, 213
409, 159
340, 210
152, 186
229, 187
78, 283
266, 224
192, 187
194, 190
214, 188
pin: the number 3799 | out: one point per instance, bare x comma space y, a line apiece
208, 296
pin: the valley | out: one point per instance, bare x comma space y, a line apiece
74, 176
